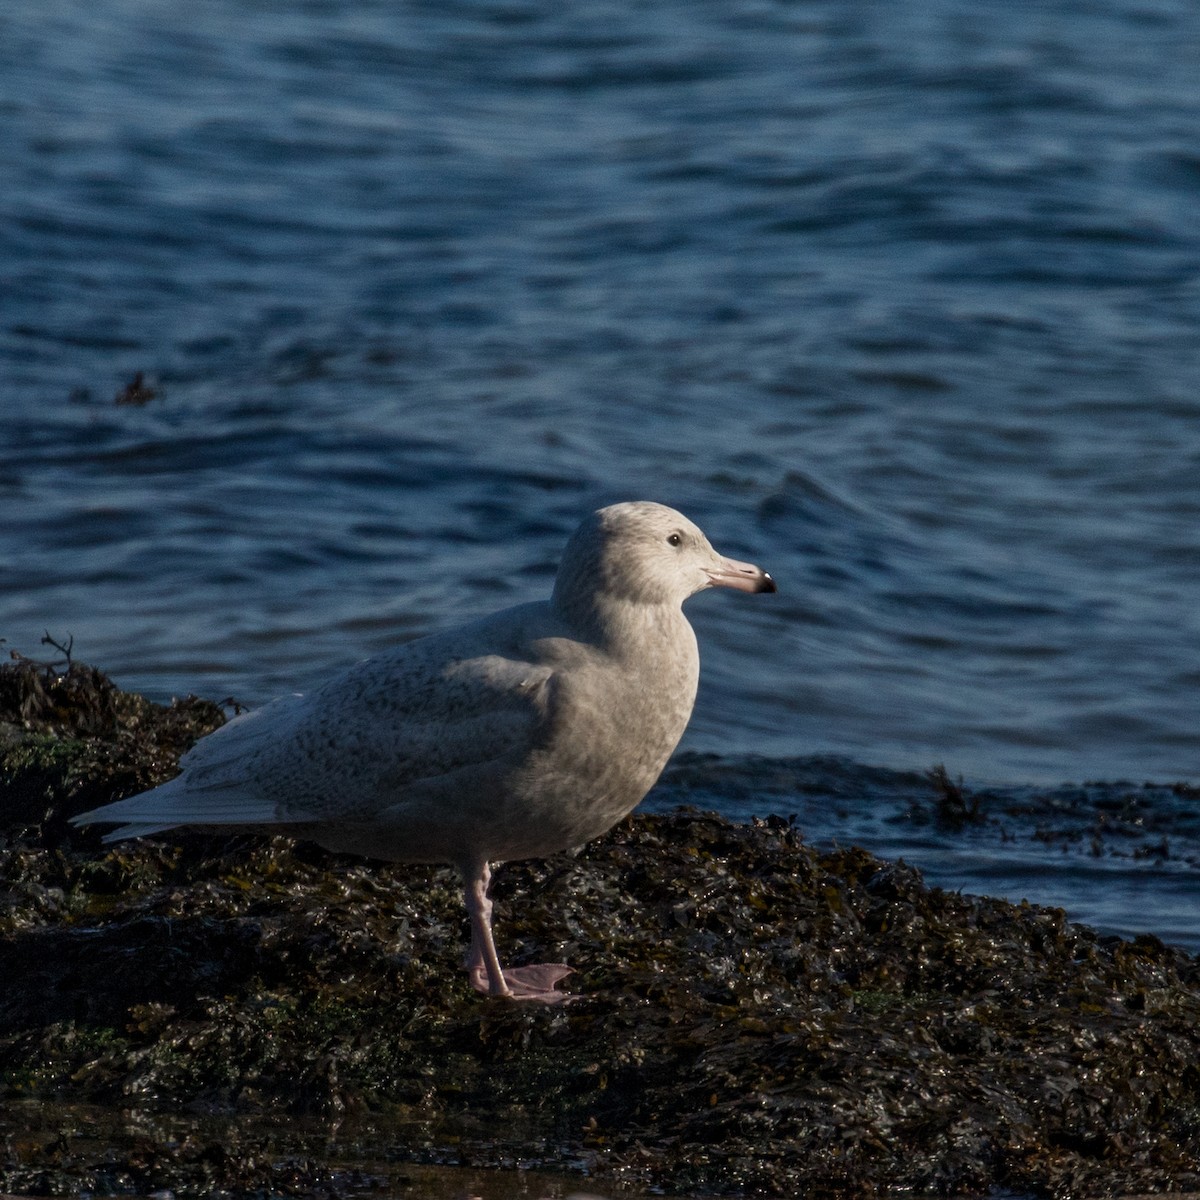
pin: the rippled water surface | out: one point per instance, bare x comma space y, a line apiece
900, 301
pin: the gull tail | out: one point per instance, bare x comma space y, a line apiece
175, 805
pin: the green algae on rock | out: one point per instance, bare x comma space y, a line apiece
756, 1016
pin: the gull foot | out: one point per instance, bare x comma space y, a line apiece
534, 982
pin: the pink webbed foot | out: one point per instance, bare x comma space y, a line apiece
533, 982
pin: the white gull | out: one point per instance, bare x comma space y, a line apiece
516, 736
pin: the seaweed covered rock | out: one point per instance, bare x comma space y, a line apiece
755, 1016
70, 738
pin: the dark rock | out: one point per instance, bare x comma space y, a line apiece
756, 1016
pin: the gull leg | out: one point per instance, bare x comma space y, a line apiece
479, 905
533, 982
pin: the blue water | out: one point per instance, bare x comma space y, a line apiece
899, 300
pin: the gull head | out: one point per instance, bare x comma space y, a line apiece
646, 553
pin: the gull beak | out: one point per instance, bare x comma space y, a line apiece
746, 577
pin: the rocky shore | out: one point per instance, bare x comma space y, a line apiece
755, 1017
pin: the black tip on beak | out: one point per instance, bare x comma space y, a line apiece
745, 577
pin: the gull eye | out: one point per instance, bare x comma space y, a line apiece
674, 539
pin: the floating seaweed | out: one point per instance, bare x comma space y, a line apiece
136, 392
956, 806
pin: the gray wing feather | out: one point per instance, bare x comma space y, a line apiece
350, 749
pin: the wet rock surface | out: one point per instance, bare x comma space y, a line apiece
755, 1016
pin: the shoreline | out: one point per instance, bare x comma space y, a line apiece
758, 1017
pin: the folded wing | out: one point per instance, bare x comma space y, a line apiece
352, 748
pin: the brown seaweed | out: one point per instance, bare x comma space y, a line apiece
757, 1017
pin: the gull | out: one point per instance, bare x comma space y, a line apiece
527, 732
